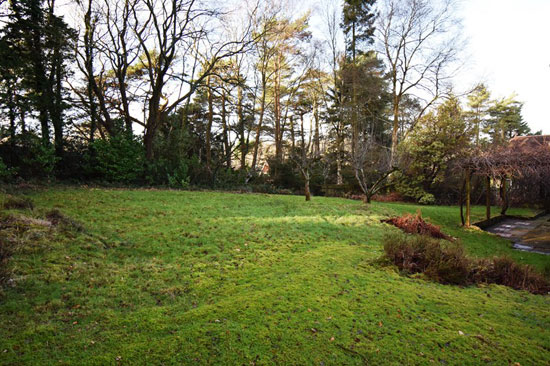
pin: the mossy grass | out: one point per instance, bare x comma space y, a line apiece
160, 277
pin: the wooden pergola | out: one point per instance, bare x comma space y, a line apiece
524, 163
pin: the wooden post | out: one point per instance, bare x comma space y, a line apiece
504, 196
488, 197
468, 193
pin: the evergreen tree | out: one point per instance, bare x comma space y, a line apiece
41, 42
478, 101
505, 121
358, 25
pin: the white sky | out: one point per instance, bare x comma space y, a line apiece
509, 49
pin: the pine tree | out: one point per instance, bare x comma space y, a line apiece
505, 121
358, 25
42, 45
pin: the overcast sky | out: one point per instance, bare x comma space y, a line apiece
509, 49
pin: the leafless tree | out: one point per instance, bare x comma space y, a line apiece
172, 29
419, 41
107, 57
372, 165
527, 169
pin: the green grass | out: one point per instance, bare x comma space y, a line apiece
204, 278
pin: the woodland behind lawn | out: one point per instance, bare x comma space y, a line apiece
160, 277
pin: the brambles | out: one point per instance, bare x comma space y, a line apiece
423, 254
447, 263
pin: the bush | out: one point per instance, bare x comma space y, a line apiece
179, 178
285, 175
5, 172
448, 264
30, 159
120, 159
423, 254
504, 271
427, 199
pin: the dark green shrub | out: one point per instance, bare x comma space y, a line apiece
120, 159
5, 172
448, 264
29, 158
285, 175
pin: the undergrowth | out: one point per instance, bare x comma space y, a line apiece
447, 263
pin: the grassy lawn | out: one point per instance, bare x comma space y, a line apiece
204, 278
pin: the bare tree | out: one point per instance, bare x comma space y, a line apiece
372, 165
166, 30
108, 57
419, 41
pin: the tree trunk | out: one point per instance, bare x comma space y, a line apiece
504, 196
209, 125
468, 193
240, 114
461, 202
316, 139
394, 131
226, 146
153, 120
306, 189
125, 104
292, 133
339, 178
11, 114
39, 78
368, 198
258, 131
148, 141
277, 112
488, 197
89, 57
56, 109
